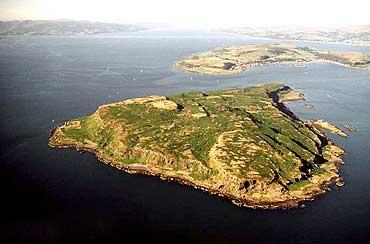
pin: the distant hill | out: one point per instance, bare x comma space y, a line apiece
355, 35
63, 27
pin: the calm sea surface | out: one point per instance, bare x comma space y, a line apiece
62, 195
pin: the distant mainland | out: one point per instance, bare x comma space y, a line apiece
358, 35
63, 27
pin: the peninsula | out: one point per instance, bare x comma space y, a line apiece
242, 144
236, 59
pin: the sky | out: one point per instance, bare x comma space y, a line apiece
195, 13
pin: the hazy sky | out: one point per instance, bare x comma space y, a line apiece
192, 13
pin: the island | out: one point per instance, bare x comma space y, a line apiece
358, 35
241, 144
63, 27
236, 59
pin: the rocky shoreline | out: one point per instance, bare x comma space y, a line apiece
287, 204
324, 125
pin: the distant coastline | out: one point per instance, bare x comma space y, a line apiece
304, 40
63, 27
350, 35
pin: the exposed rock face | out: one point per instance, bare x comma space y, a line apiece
243, 144
322, 124
142, 100
291, 96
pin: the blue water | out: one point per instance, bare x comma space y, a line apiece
62, 195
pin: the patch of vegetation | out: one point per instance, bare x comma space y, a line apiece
319, 171
299, 185
132, 160
77, 134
